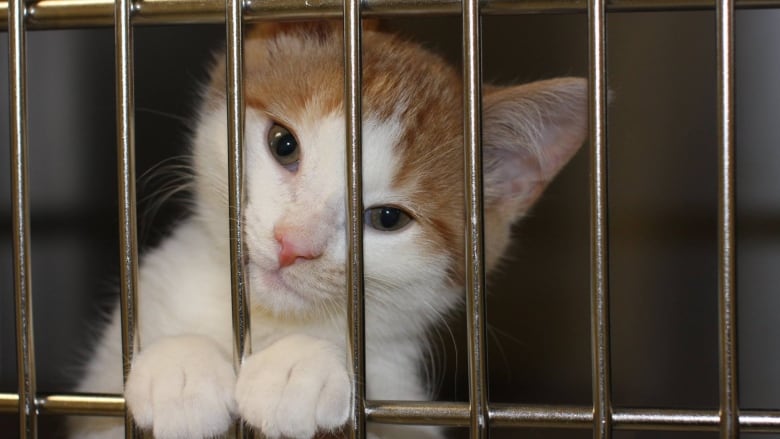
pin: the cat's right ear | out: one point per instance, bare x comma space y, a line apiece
530, 132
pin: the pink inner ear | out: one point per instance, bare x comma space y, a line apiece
515, 178
530, 132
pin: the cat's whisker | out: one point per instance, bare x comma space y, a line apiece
185, 121
168, 178
453, 342
498, 336
173, 162
502, 352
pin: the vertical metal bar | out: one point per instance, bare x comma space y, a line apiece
356, 309
729, 406
128, 241
600, 341
242, 342
475, 270
25, 351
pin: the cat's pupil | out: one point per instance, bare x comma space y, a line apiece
285, 145
389, 216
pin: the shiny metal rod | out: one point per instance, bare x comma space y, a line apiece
128, 240
475, 254
25, 349
61, 14
79, 404
242, 337
457, 414
727, 301
599, 257
356, 307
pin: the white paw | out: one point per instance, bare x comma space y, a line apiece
295, 388
182, 387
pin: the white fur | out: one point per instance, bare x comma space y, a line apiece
304, 386
296, 382
183, 387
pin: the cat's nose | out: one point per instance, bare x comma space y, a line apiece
294, 247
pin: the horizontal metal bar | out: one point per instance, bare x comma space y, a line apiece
8, 402
451, 414
545, 416
456, 414
75, 404
677, 420
62, 14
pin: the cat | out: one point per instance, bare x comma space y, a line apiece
296, 384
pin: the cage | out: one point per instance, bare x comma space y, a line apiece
605, 321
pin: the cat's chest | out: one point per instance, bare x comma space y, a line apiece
267, 331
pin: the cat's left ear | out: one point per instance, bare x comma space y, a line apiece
529, 133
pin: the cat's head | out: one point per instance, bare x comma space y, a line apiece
413, 186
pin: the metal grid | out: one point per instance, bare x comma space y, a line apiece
479, 414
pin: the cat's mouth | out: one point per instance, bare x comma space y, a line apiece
270, 279
273, 279
277, 292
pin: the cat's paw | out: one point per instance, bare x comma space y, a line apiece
294, 388
182, 387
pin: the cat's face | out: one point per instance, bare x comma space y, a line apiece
412, 175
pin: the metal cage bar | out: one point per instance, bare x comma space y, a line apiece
599, 256
242, 341
727, 352
355, 288
478, 414
457, 414
128, 228
474, 251
51, 14
25, 350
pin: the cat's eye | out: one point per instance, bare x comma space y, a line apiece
387, 218
284, 147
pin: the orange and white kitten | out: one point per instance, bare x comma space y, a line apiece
296, 383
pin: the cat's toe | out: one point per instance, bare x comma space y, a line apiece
334, 401
182, 387
186, 412
294, 388
316, 398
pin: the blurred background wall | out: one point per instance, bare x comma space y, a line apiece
662, 189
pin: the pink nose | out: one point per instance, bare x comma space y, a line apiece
293, 247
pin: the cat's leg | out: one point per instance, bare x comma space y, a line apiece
295, 387
393, 374
182, 387
102, 374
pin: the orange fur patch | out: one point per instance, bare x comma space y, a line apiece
292, 69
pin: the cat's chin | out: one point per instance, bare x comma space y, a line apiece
271, 292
